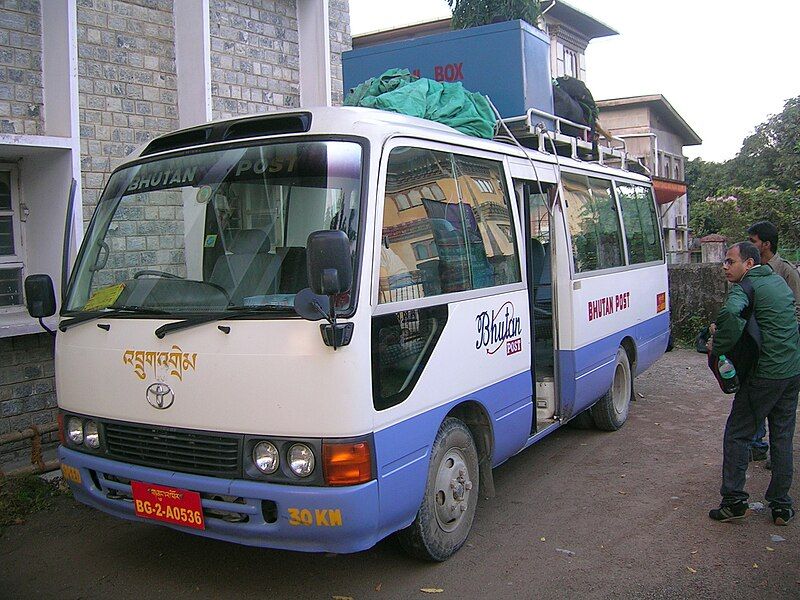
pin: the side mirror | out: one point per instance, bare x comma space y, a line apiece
330, 270
40, 297
311, 306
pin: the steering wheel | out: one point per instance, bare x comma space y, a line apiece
153, 273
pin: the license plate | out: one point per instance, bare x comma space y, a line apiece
71, 474
167, 504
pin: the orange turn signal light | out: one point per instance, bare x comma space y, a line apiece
346, 464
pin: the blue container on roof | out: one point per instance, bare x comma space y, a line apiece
509, 62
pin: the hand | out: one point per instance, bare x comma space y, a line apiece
710, 344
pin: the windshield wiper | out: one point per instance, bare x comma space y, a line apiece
239, 312
117, 311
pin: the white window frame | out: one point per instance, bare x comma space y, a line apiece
16, 260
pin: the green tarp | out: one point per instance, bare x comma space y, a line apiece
448, 103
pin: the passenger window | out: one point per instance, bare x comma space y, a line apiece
641, 223
593, 223
447, 226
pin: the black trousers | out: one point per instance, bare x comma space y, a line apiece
758, 398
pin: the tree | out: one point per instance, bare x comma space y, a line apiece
771, 155
705, 179
473, 13
735, 209
761, 183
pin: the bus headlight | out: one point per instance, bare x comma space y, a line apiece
266, 457
301, 460
91, 437
75, 430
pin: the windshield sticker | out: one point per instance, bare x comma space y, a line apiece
176, 363
162, 179
211, 241
498, 329
204, 194
104, 297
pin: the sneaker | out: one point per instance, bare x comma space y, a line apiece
758, 454
730, 512
782, 516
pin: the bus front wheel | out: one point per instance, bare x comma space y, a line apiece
611, 411
445, 516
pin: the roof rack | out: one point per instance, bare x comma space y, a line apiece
532, 131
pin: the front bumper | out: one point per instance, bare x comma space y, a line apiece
342, 519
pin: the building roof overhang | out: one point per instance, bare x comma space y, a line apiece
580, 21
557, 9
663, 108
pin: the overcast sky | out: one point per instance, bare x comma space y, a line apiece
724, 65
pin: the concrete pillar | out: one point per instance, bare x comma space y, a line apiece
313, 24
193, 61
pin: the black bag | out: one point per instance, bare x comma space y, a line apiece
744, 354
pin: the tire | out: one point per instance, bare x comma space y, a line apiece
582, 420
611, 411
444, 518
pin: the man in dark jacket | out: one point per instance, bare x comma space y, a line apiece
769, 391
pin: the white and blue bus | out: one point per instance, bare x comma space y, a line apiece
310, 330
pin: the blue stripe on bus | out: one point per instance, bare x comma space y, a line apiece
357, 506
403, 450
375, 509
586, 373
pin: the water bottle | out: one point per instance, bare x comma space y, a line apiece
727, 372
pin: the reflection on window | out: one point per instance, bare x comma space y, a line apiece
457, 236
10, 287
216, 230
593, 223
402, 344
641, 223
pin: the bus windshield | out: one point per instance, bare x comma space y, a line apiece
209, 232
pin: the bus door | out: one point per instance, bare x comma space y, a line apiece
537, 231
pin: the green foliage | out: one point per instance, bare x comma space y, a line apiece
21, 496
704, 179
473, 13
761, 183
735, 209
686, 328
771, 156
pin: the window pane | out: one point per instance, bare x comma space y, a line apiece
6, 236
10, 287
5, 190
488, 223
454, 239
402, 344
593, 223
641, 223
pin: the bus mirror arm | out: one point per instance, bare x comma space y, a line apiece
314, 307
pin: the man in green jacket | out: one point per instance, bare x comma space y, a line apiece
769, 391
764, 236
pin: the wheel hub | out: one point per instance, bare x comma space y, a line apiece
453, 486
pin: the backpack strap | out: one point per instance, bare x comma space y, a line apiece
748, 312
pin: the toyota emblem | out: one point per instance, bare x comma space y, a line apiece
160, 395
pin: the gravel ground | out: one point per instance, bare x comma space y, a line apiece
582, 514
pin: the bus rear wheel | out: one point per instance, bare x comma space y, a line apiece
611, 411
444, 518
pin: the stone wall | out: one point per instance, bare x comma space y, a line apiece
27, 390
127, 83
696, 293
255, 56
21, 67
